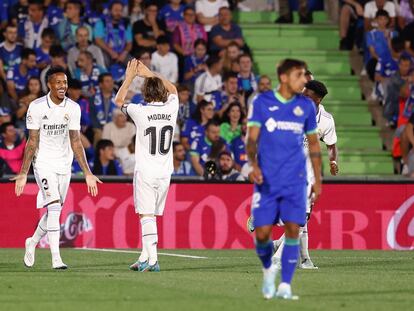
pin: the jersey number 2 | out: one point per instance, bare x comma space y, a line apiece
163, 148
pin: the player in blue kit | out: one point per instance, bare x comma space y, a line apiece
277, 123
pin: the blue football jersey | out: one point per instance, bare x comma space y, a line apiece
283, 124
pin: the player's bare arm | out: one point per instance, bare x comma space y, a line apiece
29, 152
333, 159
253, 133
130, 73
316, 159
79, 152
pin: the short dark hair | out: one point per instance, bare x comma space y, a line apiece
229, 75
288, 64
75, 84
26, 52
163, 40
113, 2
244, 55
102, 76
39, 3
405, 57
182, 88
57, 51
147, 4
48, 32
102, 144
211, 123
4, 127
212, 60
154, 90
382, 12
188, 8
176, 144
317, 87
54, 70
200, 41
10, 25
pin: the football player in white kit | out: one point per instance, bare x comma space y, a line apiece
155, 120
53, 122
315, 90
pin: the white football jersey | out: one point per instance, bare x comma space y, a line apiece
54, 122
326, 133
155, 124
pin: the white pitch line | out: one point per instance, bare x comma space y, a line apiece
135, 252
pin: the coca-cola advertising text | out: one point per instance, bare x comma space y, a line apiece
199, 216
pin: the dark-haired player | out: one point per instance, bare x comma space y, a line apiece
155, 120
53, 122
277, 123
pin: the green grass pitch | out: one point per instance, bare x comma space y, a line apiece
225, 280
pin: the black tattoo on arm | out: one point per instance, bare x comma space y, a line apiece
78, 151
30, 150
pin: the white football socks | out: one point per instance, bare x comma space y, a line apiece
304, 240
149, 240
53, 230
41, 230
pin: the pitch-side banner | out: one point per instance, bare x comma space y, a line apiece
348, 216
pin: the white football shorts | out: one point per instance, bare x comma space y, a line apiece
150, 194
52, 186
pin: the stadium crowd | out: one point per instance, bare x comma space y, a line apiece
194, 44
383, 31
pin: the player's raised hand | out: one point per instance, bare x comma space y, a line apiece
143, 71
21, 180
132, 69
91, 181
256, 175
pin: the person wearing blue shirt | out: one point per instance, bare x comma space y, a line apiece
113, 34
181, 166
171, 14
195, 127
10, 49
238, 148
43, 52
18, 76
195, 64
277, 123
202, 147
55, 12
105, 162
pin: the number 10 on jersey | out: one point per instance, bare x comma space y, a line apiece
166, 133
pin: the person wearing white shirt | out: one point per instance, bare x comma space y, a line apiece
209, 84
165, 62
207, 12
119, 131
371, 8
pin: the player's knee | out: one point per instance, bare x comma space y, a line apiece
53, 216
146, 215
263, 234
292, 230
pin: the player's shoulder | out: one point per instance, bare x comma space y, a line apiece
38, 103
263, 97
305, 101
326, 115
71, 104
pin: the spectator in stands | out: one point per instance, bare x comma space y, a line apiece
75, 94
105, 162
19, 12
231, 57
181, 166
94, 12
405, 13
18, 75
201, 147
71, 22
57, 59
230, 127
393, 87
407, 152
208, 84
207, 12
31, 29
370, 13
5, 115
225, 32
126, 157
11, 149
184, 110
351, 19
10, 50
195, 127
43, 52
227, 172
119, 131
187, 33
231, 94
247, 80
55, 13
6, 102
32, 91
134, 92
408, 33
195, 64
238, 147
135, 10
147, 30
103, 104
83, 44
114, 35
286, 16
163, 61
171, 14
264, 85
87, 72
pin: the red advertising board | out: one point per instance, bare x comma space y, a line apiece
347, 216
